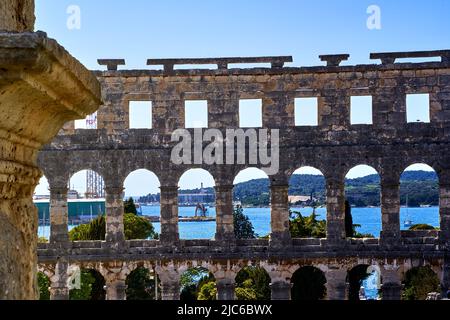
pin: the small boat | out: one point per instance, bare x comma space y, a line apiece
408, 223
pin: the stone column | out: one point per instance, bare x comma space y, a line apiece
280, 235
170, 290
391, 288
390, 211
281, 290
445, 281
59, 289
225, 290
224, 213
169, 215
444, 210
114, 215
169, 276
35, 104
116, 289
336, 284
17, 15
335, 210
59, 214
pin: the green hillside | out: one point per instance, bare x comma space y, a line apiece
420, 187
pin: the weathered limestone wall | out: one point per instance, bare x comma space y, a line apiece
334, 147
17, 15
34, 105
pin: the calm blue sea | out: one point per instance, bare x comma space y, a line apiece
368, 218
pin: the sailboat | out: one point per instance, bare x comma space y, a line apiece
408, 222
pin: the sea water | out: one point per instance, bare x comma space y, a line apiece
368, 218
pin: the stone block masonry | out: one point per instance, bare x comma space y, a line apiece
334, 146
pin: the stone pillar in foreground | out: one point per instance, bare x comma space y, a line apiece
224, 213
59, 214
279, 211
42, 87
17, 15
390, 211
59, 289
335, 211
336, 284
169, 215
114, 215
281, 290
226, 290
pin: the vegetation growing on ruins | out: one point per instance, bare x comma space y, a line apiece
419, 282
43, 285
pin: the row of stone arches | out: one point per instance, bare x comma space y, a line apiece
306, 185
252, 282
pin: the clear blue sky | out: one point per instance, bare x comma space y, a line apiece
141, 29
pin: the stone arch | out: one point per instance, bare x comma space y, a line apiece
363, 198
419, 197
307, 196
197, 283
84, 275
80, 185
142, 282
308, 283
197, 206
256, 181
364, 282
150, 187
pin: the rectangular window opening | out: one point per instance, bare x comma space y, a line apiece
250, 113
196, 114
306, 112
140, 114
361, 110
418, 108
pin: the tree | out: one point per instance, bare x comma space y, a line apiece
243, 228
135, 228
129, 206
257, 279
419, 282
192, 282
95, 230
43, 284
138, 228
207, 292
85, 290
140, 285
307, 227
349, 229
